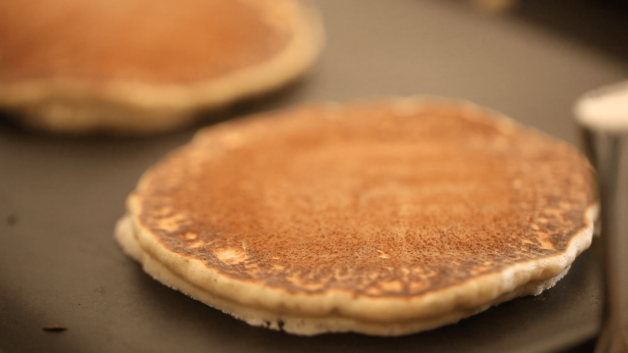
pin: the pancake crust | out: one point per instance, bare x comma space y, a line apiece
74, 65
385, 217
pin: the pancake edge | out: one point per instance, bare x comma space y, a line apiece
121, 107
308, 325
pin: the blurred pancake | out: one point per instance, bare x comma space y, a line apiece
140, 66
386, 217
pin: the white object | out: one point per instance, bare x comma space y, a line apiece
604, 109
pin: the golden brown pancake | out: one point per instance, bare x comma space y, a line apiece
386, 217
146, 66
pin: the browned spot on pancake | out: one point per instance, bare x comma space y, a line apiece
369, 199
140, 40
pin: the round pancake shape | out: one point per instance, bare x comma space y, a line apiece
381, 217
141, 66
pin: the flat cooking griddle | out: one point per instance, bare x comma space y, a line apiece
60, 196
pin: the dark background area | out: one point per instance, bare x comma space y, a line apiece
599, 24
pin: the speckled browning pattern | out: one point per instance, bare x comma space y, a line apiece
181, 41
379, 199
